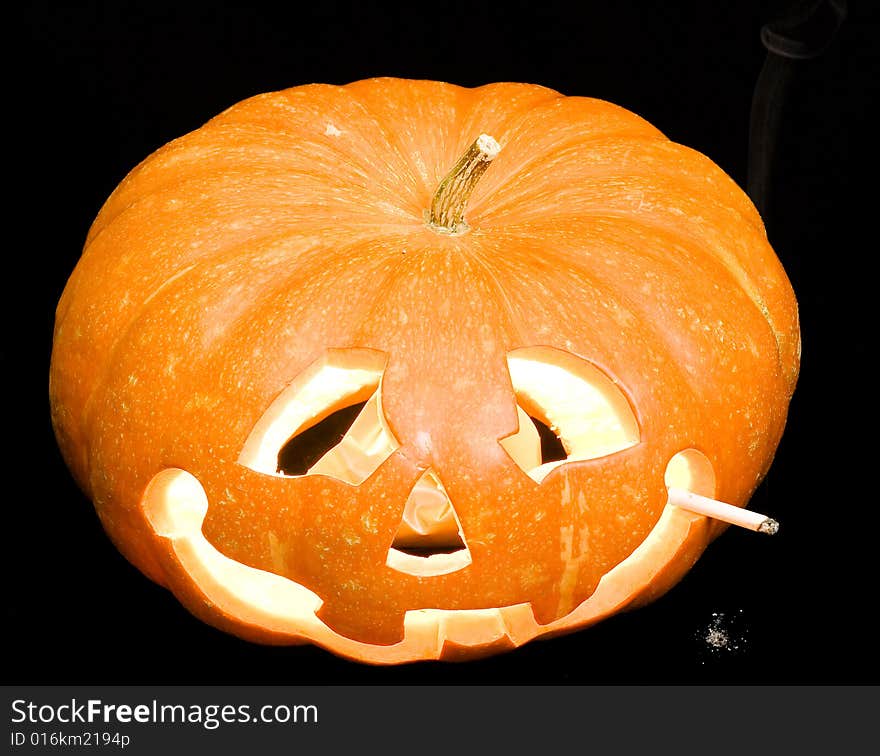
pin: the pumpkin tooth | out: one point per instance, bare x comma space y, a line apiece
480, 626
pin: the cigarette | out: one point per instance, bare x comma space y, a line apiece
718, 510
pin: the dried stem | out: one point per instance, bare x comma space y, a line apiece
448, 204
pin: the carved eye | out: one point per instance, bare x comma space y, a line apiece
328, 421
568, 410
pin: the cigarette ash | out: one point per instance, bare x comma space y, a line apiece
724, 635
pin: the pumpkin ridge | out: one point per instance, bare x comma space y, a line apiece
155, 197
475, 118
228, 183
353, 159
538, 133
431, 138
108, 212
392, 140
318, 263
601, 285
663, 235
734, 266
729, 260
216, 131
480, 118
505, 205
484, 260
381, 295
178, 278
596, 184
243, 155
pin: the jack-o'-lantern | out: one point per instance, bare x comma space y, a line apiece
330, 377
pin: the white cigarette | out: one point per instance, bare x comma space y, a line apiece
720, 511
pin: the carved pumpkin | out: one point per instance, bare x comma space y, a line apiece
509, 387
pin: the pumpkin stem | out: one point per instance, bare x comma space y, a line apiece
446, 215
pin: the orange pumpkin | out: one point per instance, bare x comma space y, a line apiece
292, 265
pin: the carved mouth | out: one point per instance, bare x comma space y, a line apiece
339, 398
175, 504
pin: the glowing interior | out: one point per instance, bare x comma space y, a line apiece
586, 409
429, 520
175, 504
339, 379
366, 445
691, 470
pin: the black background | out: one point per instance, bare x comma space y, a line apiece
95, 88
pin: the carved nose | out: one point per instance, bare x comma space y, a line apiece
429, 540
428, 517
